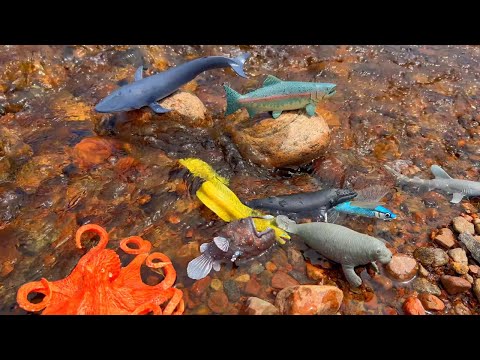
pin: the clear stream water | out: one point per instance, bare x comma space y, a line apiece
412, 103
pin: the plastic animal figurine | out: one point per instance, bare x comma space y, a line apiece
99, 285
339, 244
147, 91
238, 242
215, 194
277, 95
367, 204
312, 203
443, 182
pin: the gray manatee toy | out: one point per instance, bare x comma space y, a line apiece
339, 244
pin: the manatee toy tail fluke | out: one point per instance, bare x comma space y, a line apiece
200, 267
232, 100
284, 223
238, 62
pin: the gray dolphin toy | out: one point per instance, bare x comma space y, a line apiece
443, 182
147, 91
340, 244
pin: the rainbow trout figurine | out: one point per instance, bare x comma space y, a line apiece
277, 95
147, 91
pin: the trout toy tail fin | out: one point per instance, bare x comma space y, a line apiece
200, 267
232, 100
238, 62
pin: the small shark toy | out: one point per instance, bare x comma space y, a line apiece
443, 182
147, 91
277, 95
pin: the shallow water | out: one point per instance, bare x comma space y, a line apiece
414, 103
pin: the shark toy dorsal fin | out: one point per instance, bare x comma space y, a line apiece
139, 73
271, 80
439, 173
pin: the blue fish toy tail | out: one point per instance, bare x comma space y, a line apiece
232, 100
238, 62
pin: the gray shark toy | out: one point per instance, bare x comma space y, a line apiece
147, 91
339, 244
444, 182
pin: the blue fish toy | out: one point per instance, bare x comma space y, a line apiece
367, 204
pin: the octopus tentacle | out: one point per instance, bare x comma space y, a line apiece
174, 302
144, 246
42, 287
166, 264
146, 308
180, 308
102, 244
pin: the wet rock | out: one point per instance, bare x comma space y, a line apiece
270, 266
460, 268
256, 268
431, 256
243, 278
476, 288
455, 285
445, 238
282, 280
431, 302
291, 139
330, 170
295, 258
461, 309
469, 278
252, 287
216, 284
12, 147
309, 300
402, 267
218, 302
11, 202
458, 255
232, 290
279, 258
92, 151
199, 287
477, 228
315, 273
382, 281
472, 244
187, 109
422, 271
40, 168
256, 306
474, 269
187, 252
422, 285
413, 306
461, 225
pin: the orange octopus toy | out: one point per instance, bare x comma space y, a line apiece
98, 285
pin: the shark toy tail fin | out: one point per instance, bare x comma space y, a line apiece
238, 62
232, 100
400, 177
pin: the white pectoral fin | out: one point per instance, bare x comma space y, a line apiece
439, 173
222, 243
457, 197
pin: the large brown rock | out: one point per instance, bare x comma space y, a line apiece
455, 285
402, 267
256, 306
186, 109
291, 139
309, 300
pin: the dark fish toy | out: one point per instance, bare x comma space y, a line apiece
307, 204
147, 91
237, 242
